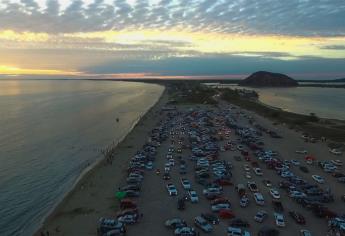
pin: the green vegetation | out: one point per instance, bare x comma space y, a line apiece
307, 123
193, 93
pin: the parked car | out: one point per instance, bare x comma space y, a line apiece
220, 206
252, 186
203, 224
268, 231
185, 184
279, 220
193, 196
267, 182
260, 216
171, 189
185, 231
259, 199
239, 223
277, 205
258, 171
304, 169
166, 176
244, 201
128, 219
235, 231
318, 179
175, 223
226, 214
181, 205
299, 218
106, 225
305, 232
274, 193
213, 219
335, 151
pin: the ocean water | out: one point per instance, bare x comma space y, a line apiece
324, 102
50, 132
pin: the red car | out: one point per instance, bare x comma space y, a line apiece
223, 182
299, 218
255, 164
245, 153
127, 204
226, 214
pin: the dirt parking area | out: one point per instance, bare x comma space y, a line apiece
157, 206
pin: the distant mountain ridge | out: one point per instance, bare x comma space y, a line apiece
268, 79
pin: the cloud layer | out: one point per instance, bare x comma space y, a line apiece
293, 17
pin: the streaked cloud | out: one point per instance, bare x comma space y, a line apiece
293, 17
83, 35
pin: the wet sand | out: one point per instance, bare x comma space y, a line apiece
94, 195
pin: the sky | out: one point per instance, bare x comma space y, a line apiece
172, 38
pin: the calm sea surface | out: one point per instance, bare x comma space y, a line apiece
324, 102
50, 131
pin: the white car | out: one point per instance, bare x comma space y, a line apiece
297, 194
274, 193
186, 184
193, 196
335, 151
318, 179
171, 190
295, 162
247, 175
337, 162
232, 231
259, 199
305, 152
279, 218
305, 232
246, 168
244, 201
184, 231
258, 171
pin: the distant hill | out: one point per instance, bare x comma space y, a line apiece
268, 79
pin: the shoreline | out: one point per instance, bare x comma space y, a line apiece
94, 167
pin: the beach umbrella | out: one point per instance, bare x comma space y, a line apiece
120, 195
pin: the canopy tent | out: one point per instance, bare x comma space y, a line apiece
120, 195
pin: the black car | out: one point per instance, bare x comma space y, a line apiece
166, 176
181, 205
297, 217
202, 181
213, 219
304, 169
310, 204
239, 223
132, 193
268, 231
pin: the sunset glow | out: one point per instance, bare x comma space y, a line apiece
120, 37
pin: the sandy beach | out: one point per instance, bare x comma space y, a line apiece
94, 195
